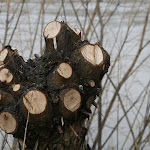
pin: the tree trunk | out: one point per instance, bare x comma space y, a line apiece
44, 102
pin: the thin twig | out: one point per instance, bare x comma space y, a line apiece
64, 10
5, 140
7, 22
16, 22
73, 130
36, 30
25, 133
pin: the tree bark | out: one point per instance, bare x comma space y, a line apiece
47, 99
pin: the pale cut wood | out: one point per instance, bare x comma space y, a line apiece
92, 54
13, 48
65, 70
5, 75
35, 101
98, 55
16, 87
91, 83
72, 100
77, 31
52, 29
1, 64
8, 122
3, 54
95, 104
62, 75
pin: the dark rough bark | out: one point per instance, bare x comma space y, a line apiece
56, 89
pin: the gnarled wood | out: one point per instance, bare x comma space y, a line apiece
5, 98
51, 95
92, 54
3, 55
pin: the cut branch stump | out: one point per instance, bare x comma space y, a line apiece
54, 92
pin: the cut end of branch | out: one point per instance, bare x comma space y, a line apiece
77, 31
16, 87
35, 101
8, 122
3, 54
72, 100
65, 70
91, 83
21, 142
52, 29
6, 75
92, 54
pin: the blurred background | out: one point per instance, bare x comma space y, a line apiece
121, 121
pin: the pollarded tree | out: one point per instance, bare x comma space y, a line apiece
44, 102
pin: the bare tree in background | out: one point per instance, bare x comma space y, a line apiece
122, 28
